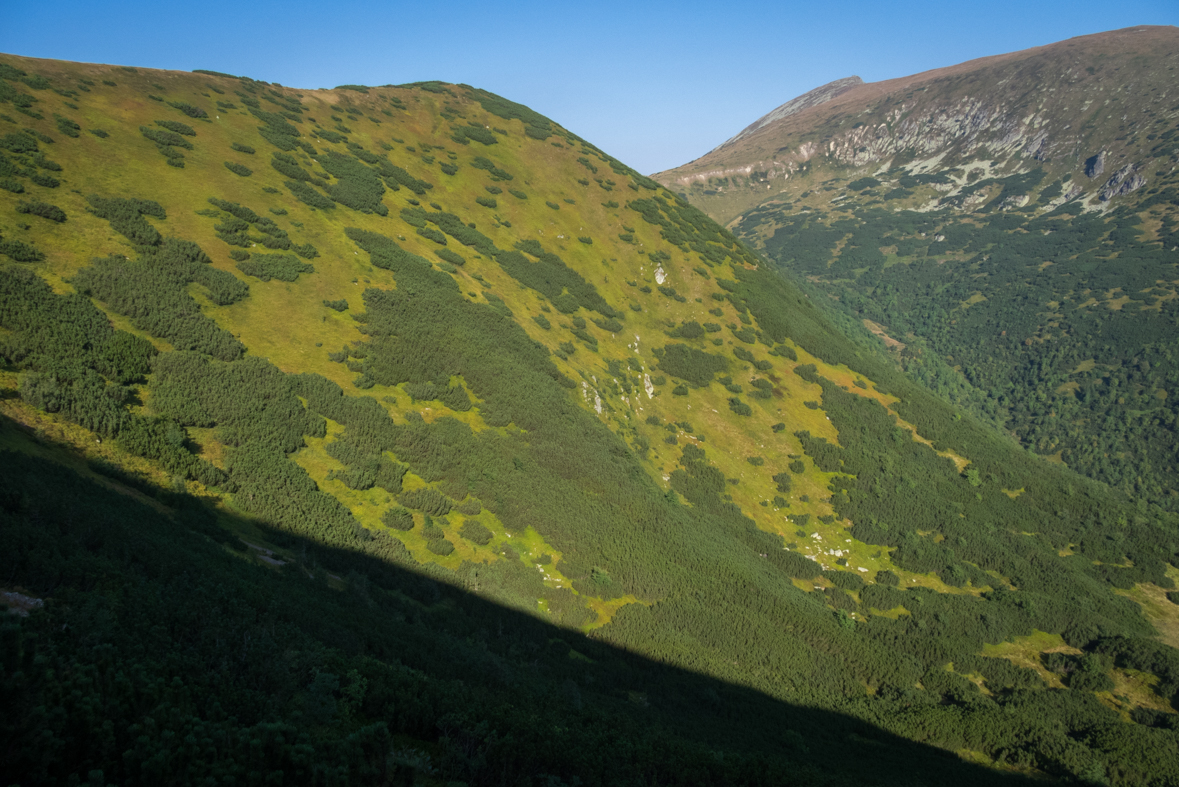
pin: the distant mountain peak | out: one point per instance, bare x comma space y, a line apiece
812, 98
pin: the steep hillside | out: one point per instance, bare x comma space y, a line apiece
522, 428
1008, 225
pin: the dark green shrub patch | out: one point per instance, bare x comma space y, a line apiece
308, 195
189, 109
688, 363
427, 500
471, 506
277, 131
67, 126
396, 177
610, 325
358, 187
20, 251
366, 156
474, 531
151, 290
42, 209
551, 277
304, 250
463, 135
398, 518
438, 544
330, 136
486, 164
844, 579
670, 292
432, 234
126, 217
535, 125
47, 181
177, 127
739, 407
165, 138
452, 257
9, 94
288, 165
284, 267
688, 330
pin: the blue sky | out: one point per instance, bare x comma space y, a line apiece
656, 84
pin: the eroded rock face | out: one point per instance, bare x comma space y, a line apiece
1037, 148
1095, 165
1124, 181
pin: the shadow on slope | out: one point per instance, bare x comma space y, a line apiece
167, 653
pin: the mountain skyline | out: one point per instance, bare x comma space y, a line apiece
618, 75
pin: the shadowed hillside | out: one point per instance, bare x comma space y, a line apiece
169, 652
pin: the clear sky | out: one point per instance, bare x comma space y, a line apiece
655, 84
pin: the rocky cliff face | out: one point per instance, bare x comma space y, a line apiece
1068, 108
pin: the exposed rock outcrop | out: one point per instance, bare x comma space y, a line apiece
1124, 181
1038, 147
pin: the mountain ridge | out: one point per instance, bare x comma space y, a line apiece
825, 133
819, 95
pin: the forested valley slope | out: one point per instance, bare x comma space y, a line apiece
399, 435
1009, 226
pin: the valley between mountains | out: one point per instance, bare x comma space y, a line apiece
399, 435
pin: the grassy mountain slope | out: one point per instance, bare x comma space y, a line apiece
421, 345
1008, 225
